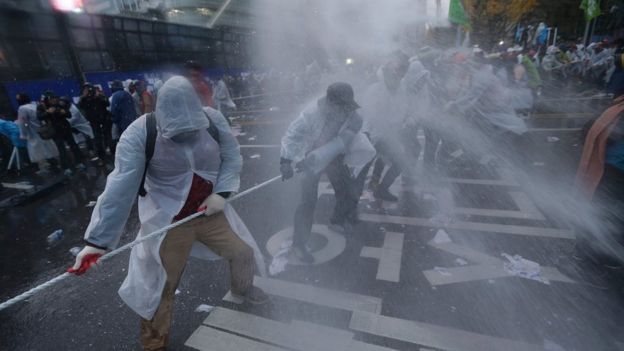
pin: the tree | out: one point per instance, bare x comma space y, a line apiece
493, 20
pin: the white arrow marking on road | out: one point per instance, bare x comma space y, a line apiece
389, 256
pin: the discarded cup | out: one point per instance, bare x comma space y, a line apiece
552, 139
55, 237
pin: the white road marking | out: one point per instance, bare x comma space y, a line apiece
488, 267
297, 335
336, 244
318, 296
251, 146
210, 339
494, 182
471, 226
389, 256
19, 186
526, 205
432, 335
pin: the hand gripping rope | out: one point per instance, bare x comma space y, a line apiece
49, 283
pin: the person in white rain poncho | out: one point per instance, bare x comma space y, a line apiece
420, 113
221, 96
189, 171
81, 128
326, 138
39, 150
383, 108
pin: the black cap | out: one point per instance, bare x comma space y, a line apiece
87, 85
341, 94
49, 94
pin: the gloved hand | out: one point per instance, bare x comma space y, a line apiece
286, 169
86, 258
213, 204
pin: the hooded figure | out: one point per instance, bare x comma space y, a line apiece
122, 107
384, 113
221, 96
488, 100
189, 172
39, 150
79, 124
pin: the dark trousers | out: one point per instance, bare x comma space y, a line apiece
609, 205
347, 197
101, 137
60, 141
396, 166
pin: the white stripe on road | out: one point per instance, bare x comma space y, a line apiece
496, 213
432, 335
210, 339
471, 226
318, 296
259, 146
19, 186
389, 256
526, 205
297, 335
494, 182
488, 267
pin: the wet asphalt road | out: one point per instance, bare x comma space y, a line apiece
85, 313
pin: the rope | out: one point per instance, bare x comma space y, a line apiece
49, 283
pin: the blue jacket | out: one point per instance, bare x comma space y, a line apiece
11, 131
122, 109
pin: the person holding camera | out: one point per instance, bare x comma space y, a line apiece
53, 114
94, 107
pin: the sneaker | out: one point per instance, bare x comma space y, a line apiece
384, 194
254, 296
303, 255
81, 167
68, 172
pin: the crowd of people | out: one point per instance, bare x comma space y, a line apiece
46, 129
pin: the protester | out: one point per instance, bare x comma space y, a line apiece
94, 109
186, 156
384, 112
122, 108
145, 97
51, 112
81, 128
221, 96
40, 151
194, 73
319, 141
600, 177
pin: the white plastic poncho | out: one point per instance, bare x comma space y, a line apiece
490, 100
168, 182
306, 129
415, 86
80, 123
221, 96
38, 149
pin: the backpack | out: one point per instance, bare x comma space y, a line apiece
150, 143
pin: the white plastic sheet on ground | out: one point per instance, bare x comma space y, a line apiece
280, 260
521, 267
441, 237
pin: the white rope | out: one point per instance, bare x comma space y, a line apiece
49, 283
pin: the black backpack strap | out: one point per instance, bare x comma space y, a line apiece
150, 142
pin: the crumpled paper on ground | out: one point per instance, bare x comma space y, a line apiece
204, 308
280, 260
521, 267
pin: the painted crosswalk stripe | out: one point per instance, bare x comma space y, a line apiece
493, 182
19, 186
432, 335
296, 335
487, 267
315, 295
389, 256
471, 226
526, 205
210, 339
